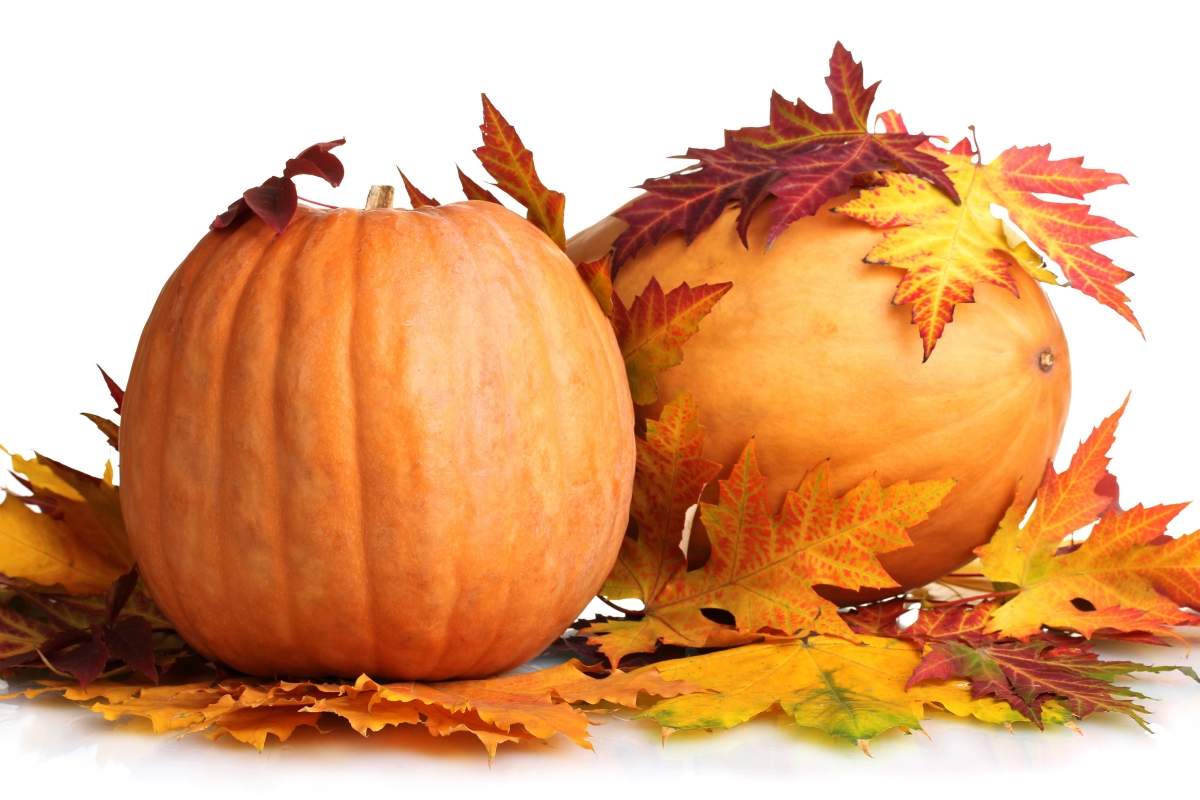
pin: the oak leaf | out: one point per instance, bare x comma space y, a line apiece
763, 567
947, 247
803, 157
1128, 575
510, 163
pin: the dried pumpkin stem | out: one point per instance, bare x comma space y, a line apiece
381, 197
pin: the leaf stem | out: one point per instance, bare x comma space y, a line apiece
962, 600
965, 575
315, 203
626, 611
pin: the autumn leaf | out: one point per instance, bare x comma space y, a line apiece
853, 691
416, 197
1128, 575
763, 567
652, 331
803, 157
947, 247
78, 540
473, 190
510, 163
597, 275
533, 705
1025, 675
275, 200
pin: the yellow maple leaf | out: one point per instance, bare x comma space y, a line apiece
948, 247
78, 540
853, 691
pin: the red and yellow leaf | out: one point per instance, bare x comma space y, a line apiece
416, 197
652, 332
510, 163
1128, 575
947, 248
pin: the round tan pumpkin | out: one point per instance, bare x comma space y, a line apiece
807, 354
385, 441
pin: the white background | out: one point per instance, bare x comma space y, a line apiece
129, 126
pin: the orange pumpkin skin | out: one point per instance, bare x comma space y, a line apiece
391, 442
807, 354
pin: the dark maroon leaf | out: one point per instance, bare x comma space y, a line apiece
876, 619
473, 190
318, 161
132, 641
804, 157
691, 199
237, 213
118, 394
118, 595
85, 661
274, 202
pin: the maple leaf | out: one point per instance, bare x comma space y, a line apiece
511, 708
473, 190
416, 197
853, 691
274, 201
948, 247
510, 163
78, 540
1026, 675
1128, 575
803, 157
763, 567
598, 277
652, 331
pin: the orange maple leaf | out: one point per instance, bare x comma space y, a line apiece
948, 247
510, 708
763, 567
1128, 575
652, 331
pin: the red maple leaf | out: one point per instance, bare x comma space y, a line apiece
803, 157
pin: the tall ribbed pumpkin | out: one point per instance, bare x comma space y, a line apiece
807, 354
385, 441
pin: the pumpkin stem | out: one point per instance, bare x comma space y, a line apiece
381, 197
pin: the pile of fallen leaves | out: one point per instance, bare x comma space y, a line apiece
743, 632
711, 648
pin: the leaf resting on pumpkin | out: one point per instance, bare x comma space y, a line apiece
803, 157
947, 247
763, 566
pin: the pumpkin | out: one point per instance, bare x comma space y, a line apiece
388, 442
807, 354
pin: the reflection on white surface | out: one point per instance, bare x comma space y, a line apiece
48, 745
